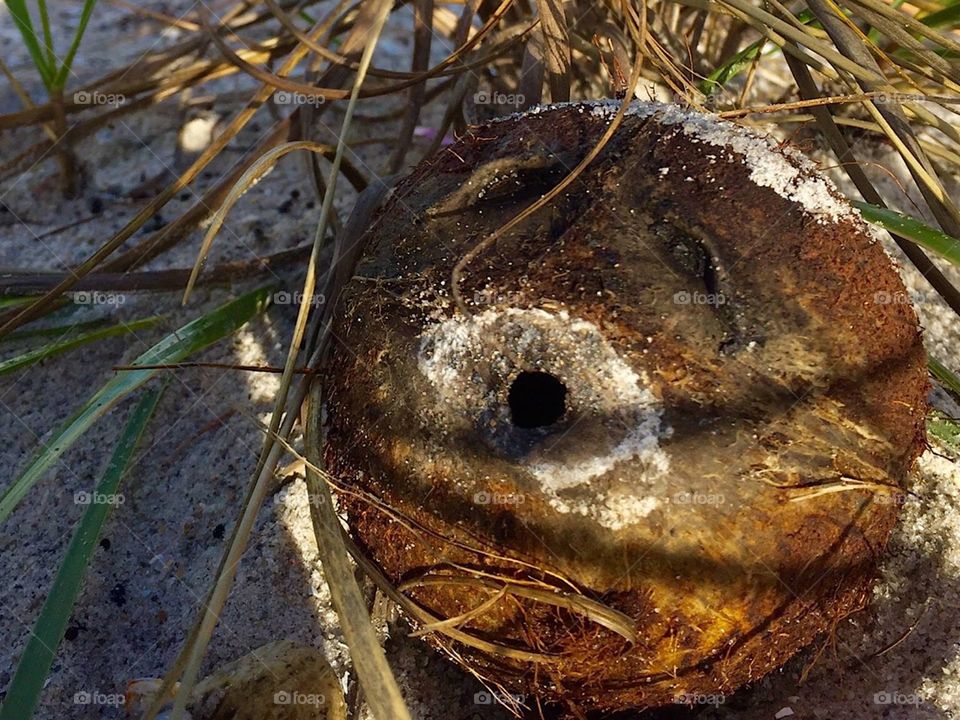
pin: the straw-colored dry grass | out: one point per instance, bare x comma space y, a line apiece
860, 67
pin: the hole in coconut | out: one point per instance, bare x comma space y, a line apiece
536, 399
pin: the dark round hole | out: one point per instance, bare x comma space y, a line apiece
536, 399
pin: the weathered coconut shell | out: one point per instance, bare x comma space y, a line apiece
713, 325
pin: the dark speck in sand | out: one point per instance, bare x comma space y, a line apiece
118, 594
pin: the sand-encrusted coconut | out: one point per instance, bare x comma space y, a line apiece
684, 391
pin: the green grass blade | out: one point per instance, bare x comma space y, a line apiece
60, 79
940, 426
944, 429
949, 16
62, 346
193, 336
942, 373
731, 68
34, 666
12, 301
47, 35
916, 231
58, 330
21, 16
740, 61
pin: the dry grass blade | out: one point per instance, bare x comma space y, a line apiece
270, 454
177, 230
329, 93
845, 485
422, 37
325, 53
597, 612
532, 72
23, 160
864, 51
337, 75
272, 80
408, 522
156, 73
24, 98
546, 198
909, 24
380, 687
174, 232
466, 617
425, 617
933, 149
813, 102
37, 308
257, 170
802, 36
851, 166
556, 46
890, 116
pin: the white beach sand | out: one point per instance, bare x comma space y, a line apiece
161, 546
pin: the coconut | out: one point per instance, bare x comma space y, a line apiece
647, 444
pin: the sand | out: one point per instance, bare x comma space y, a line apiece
162, 544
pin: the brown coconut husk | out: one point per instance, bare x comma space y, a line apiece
724, 474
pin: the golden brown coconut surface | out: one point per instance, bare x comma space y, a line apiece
650, 397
